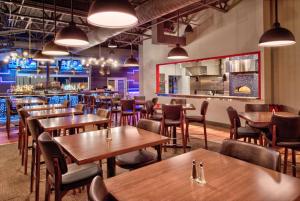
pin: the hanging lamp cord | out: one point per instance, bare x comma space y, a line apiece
72, 17
43, 22
54, 17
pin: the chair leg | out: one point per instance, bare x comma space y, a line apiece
47, 191
294, 162
205, 134
186, 130
37, 173
88, 190
183, 137
285, 160
33, 161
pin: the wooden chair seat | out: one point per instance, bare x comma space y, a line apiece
191, 119
134, 159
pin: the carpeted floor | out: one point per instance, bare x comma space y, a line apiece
14, 185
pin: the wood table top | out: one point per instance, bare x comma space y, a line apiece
28, 101
93, 146
227, 179
187, 106
71, 121
263, 117
40, 114
43, 107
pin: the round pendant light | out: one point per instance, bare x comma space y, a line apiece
51, 48
188, 29
131, 61
178, 52
38, 56
112, 44
277, 36
71, 35
112, 14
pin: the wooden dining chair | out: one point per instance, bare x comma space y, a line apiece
62, 177
115, 108
252, 153
98, 191
128, 113
197, 119
104, 114
238, 132
23, 116
142, 157
285, 133
173, 118
179, 101
35, 130
9, 112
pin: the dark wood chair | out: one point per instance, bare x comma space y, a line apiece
62, 177
9, 112
179, 101
285, 132
115, 108
98, 191
238, 132
197, 119
173, 118
35, 130
140, 158
155, 100
128, 113
252, 153
23, 116
104, 114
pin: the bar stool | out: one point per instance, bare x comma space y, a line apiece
172, 118
128, 113
179, 101
139, 104
23, 116
197, 119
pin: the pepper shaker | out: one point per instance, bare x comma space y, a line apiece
194, 170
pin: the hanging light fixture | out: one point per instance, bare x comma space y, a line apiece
71, 35
51, 48
38, 55
277, 36
112, 14
188, 29
178, 52
131, 61
112, 44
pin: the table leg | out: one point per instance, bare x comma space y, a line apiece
158, 149
111, 167
174, 136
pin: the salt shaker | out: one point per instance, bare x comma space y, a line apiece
273, 111
194, 170
201, 178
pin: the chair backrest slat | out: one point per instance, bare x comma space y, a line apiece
233, 116
204, 107
172, 112
149, 125
287, 128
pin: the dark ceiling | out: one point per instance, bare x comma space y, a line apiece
17, 17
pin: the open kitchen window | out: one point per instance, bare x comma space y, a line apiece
225, 76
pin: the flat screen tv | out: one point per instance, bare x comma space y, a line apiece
25, 63
69, 64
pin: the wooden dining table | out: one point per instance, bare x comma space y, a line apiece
30, 108
264, 118
69, 122
95, 146
227, 179
40, 114
185, 107
29, 101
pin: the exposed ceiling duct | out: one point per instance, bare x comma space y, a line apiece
147, 12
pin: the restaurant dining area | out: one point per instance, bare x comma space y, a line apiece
149, 100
